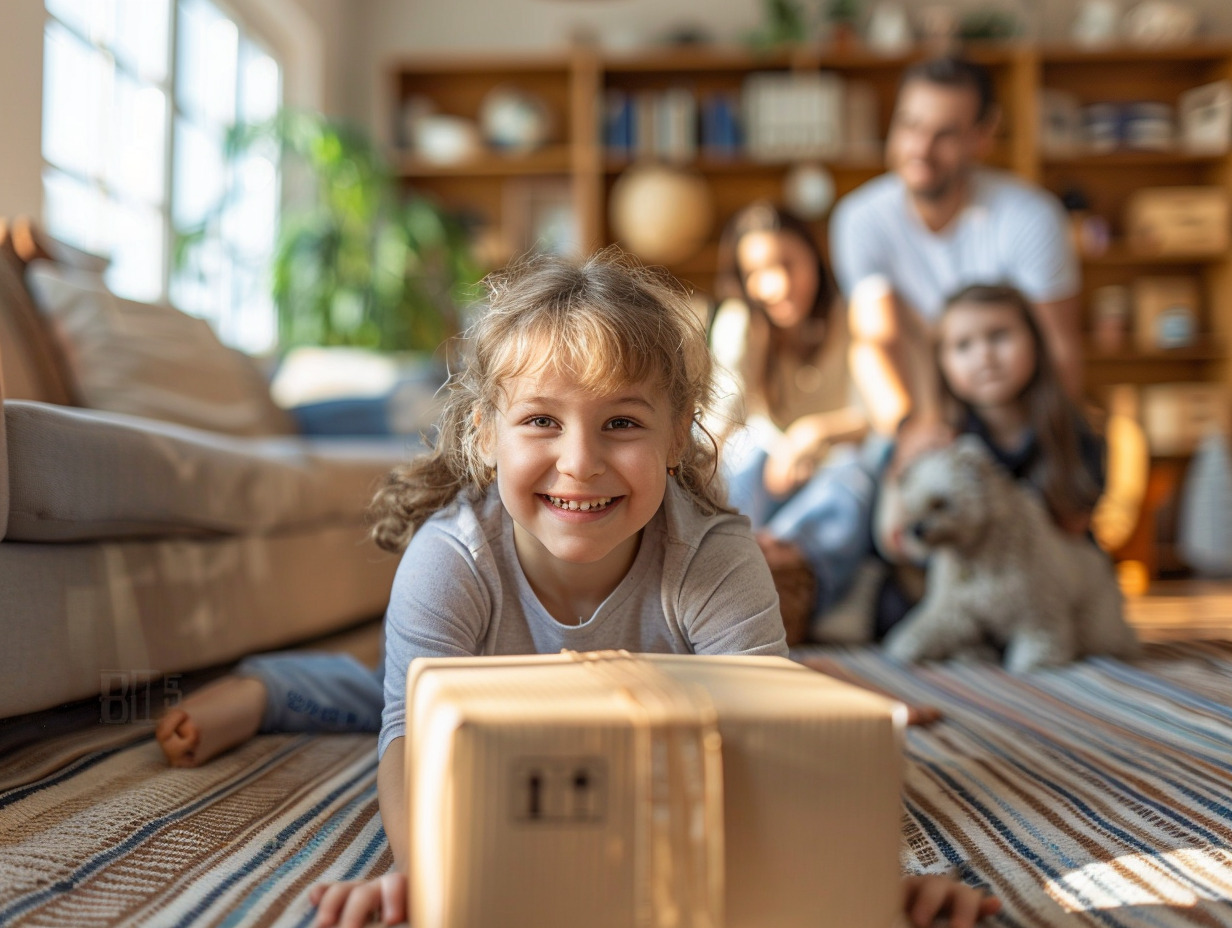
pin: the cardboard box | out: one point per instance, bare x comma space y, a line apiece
1165, 312
1206, 118
606, 789
1177, 220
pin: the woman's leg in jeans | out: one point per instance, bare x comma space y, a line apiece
829, 519
290, 692
744, 471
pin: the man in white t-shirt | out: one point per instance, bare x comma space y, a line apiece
903, 242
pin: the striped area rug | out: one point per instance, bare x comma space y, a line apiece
117, 838
1098, 794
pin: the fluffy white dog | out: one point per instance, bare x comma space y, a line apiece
999, 570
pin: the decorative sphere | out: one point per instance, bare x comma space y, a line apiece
513, 120
661, 214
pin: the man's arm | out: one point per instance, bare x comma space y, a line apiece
889, 359
1062, 329
1040, 251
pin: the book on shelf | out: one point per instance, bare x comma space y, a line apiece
720, 125
618, 123
775, 116
658, 124
793, 115
676, 125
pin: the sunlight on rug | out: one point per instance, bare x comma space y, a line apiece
1094, 794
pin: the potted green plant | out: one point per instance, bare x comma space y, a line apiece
358, 261
783, 24
841, 16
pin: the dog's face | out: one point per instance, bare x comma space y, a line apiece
946, 495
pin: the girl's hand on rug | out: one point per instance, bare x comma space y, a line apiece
928, 898
356, 903
922, 715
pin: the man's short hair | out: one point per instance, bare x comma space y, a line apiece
953, 71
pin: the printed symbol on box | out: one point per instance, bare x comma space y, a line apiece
558, 790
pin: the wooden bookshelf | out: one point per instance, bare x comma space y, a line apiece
494, 188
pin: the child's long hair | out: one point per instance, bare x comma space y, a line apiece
1059, 471
605, 322
765, 217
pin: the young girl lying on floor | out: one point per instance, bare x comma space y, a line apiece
569, 502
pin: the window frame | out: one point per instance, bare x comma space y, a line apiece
174, 115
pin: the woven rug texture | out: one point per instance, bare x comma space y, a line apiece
1096, 794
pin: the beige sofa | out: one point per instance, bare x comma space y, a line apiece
132, 547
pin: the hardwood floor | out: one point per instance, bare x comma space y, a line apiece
1173, 610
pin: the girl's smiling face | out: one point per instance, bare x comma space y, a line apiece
580, 474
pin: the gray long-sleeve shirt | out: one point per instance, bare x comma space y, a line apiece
699, 584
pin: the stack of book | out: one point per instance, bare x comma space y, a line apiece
775, 116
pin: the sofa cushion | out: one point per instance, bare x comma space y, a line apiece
90, 618
80, 474
151, 360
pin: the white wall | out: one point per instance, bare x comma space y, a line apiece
312, 39
21, 74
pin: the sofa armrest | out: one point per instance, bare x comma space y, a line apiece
4, 463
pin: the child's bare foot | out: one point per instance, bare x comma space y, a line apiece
219, 717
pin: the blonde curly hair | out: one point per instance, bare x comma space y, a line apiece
604, 322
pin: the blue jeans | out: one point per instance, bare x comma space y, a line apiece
318, 692
829, 518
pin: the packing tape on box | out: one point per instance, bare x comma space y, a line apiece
680, 768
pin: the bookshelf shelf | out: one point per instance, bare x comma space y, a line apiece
1120, 255
738, 165
1203, 352
1190, 52
1132, 159
554, 159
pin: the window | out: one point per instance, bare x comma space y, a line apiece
138, 97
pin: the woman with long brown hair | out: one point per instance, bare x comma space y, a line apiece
791, 416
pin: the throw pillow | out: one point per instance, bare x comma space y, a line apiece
32, 243
151, 360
